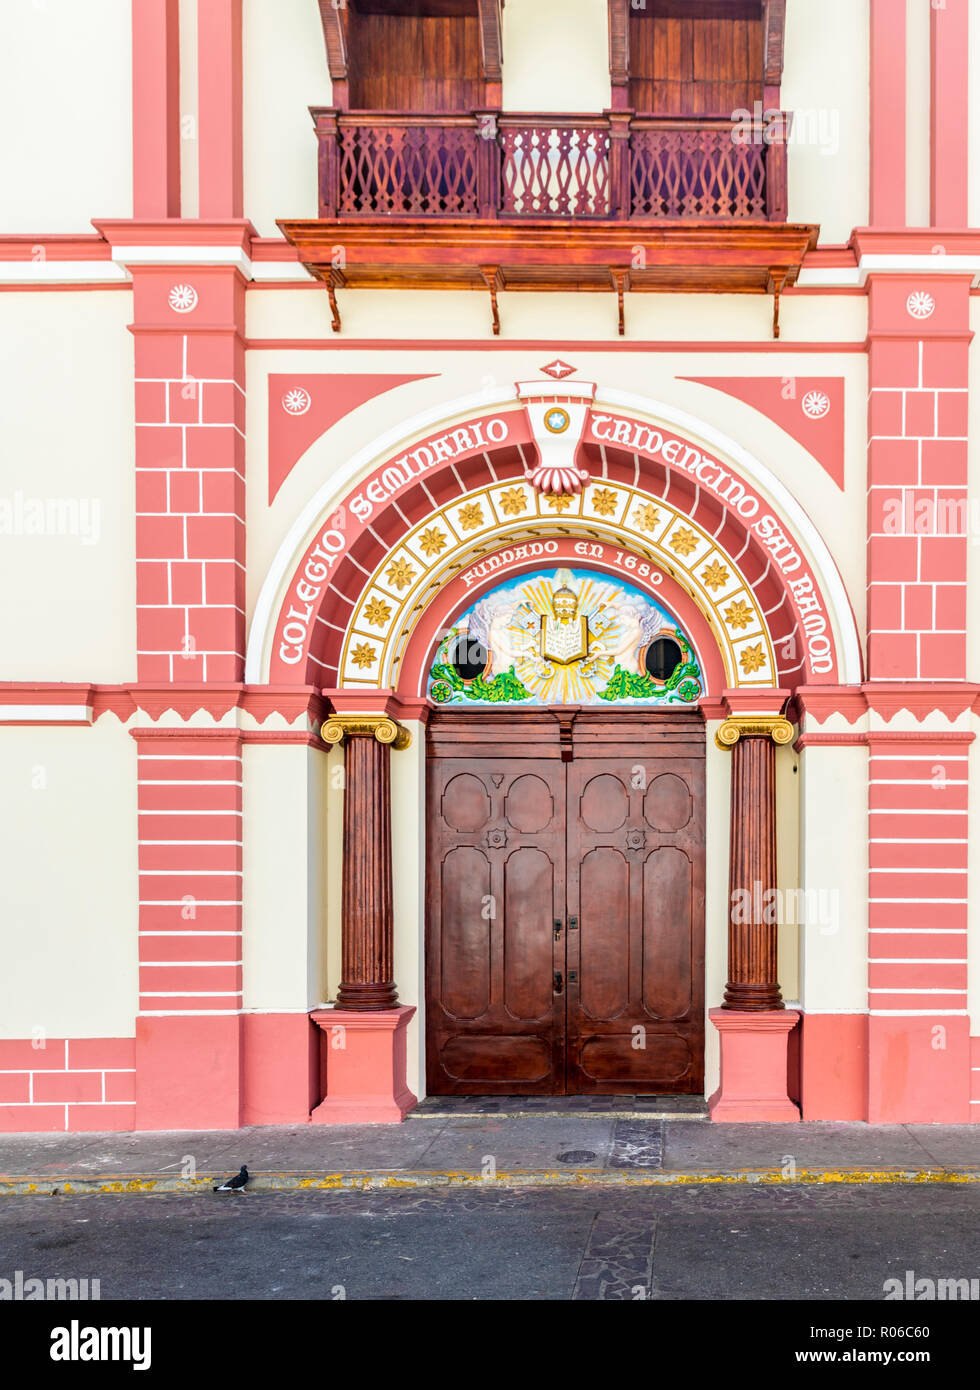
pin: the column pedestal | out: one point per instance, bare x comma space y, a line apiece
365, 1067
753, 1066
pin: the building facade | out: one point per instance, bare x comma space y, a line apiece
489, 523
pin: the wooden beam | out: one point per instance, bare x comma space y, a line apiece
540, 256
335, 43
491, 46
619, 43
773, 42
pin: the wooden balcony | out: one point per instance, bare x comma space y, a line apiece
486, 165
510, 201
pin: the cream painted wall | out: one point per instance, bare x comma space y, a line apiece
68, 921
334, 842
718, 774
418, 316
285, 805
556, 55
826, 83
917, 120
66, 114
788, 867
284, 72
834, 861
66, 420
408, 876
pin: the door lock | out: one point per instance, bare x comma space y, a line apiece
573, 924
558, 982
557, 928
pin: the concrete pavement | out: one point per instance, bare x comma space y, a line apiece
433, 1148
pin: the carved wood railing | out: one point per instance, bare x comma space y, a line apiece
554, 166
487, 165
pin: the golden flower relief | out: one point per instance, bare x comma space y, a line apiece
363, 655
470, 516
683, 541
646, 517
400, 573
513, 500
752, 659
715, 575
738, 614
377, 612
432, 541
604, 501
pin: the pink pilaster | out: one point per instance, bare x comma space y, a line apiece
189, 325
156, 109
949, 112
219, 59
888, 113
919, 339
918, 1027
189, 1029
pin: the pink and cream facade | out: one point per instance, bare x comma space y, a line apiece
233, 536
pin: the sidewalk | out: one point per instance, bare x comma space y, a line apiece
615, 1141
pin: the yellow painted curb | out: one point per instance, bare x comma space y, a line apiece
115, 1185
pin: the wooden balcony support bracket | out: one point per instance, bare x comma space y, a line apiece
335, 42
777, 282
621, 282
332, 278
494, 282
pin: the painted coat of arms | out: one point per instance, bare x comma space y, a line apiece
565, 637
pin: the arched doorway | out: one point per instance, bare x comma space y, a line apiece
565, 835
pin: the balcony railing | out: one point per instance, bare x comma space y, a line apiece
487, 166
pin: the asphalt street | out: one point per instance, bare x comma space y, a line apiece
687, 1242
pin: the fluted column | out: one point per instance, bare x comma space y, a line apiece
753, 977
367, 970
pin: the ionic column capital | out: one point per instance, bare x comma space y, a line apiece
772, 726
381, 726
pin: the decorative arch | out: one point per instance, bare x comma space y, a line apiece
383, 543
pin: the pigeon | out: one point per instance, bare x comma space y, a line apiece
235, 1184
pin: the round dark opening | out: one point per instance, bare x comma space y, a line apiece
468, 656
663, 658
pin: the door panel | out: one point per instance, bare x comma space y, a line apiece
603, 972
635, 882
529, 911
495, 887
465, 941
565, 904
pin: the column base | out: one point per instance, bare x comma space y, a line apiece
753, 1066
364, 1056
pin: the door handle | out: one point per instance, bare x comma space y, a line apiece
558, 982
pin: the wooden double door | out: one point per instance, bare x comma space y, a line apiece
565, 903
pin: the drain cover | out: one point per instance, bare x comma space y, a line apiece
576, 1156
